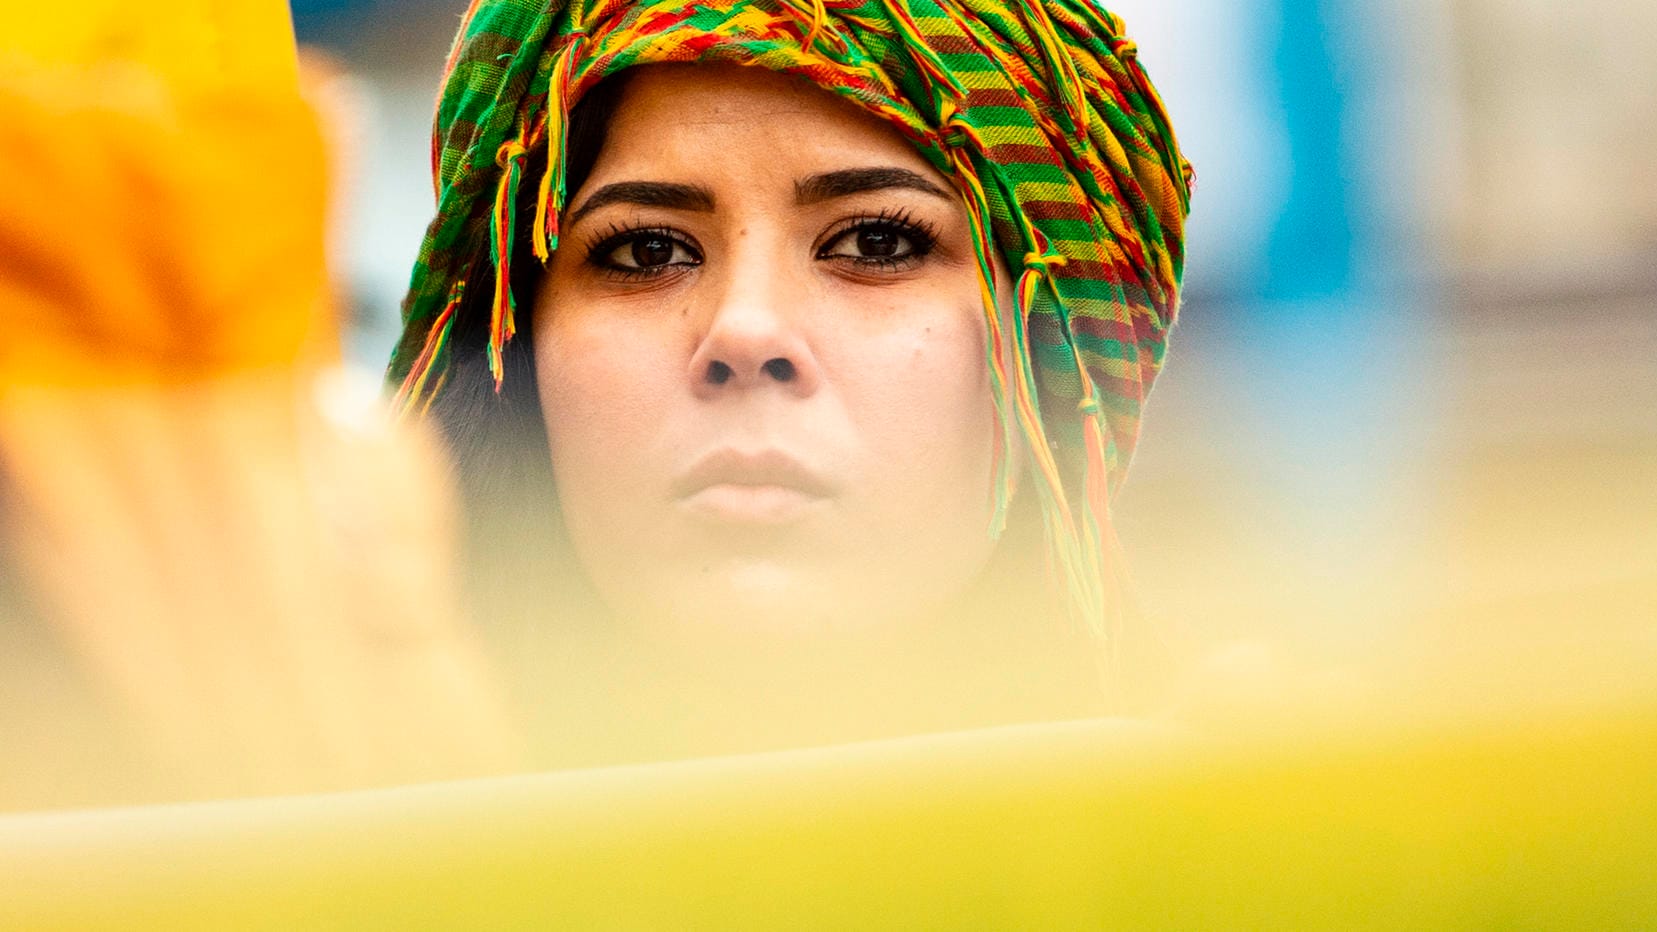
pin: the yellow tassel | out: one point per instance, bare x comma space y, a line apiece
414, 384
549, 202
502, 325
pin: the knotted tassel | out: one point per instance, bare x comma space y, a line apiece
1061, 68
549, 202
502, 322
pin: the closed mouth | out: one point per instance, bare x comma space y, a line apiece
763, 487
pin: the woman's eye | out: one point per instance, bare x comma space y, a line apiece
645, 252
878, 243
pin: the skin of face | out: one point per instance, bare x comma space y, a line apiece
760, 349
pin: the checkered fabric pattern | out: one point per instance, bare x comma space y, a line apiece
1039, 111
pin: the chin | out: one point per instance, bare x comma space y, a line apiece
762, 598
753, 601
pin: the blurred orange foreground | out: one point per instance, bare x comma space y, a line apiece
224, 575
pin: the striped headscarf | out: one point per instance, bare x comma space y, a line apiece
1037, 109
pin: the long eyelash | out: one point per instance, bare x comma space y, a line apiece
923, 233
605, 243
596, 242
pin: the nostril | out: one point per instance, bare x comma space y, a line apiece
780, 369
718, 373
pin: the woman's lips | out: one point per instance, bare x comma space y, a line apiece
765, 487
750, 504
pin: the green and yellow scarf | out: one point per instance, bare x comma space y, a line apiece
1038, 109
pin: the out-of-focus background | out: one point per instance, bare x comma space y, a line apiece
1414, 389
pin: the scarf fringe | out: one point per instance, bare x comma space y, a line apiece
1065, 61
437, 339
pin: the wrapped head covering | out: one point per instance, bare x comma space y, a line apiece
1037, 109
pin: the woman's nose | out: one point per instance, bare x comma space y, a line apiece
754, 339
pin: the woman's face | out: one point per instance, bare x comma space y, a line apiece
761, 354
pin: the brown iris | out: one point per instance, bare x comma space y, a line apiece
652, 251
875, 242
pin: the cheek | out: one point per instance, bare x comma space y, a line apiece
600, 394
926, 406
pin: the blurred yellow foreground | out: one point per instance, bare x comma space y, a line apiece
1547, 822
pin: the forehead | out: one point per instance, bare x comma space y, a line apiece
728, 120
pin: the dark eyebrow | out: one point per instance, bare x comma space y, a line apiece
646, 194
829, 185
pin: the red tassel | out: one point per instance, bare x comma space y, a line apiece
502, 323
414, 384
